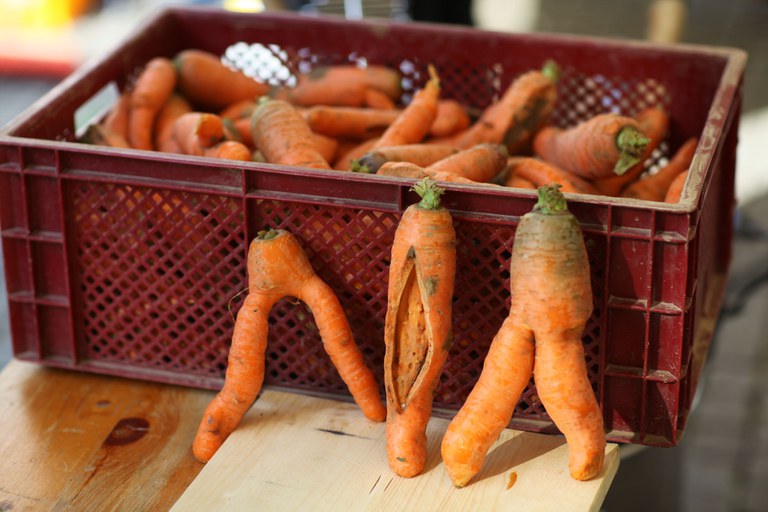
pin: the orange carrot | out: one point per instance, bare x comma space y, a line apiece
480, 163
523, 109
414, 121
350, 153
513, 180
116, 120
196, 131
451, 118
349, 122
419, 154
278, 268
654, 187
654, 123
551, 301
229, 150
152, 89
417, 328
174, 107
675, 190
342, 85
284, 137
377, 99
604, 145
239, 110
325, 145
542, 173
401, 170
243, 129
210, 84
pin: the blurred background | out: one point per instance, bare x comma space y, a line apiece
722, 463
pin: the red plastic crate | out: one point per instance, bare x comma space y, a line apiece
131, 263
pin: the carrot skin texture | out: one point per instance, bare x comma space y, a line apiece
277, 268
480, 163
542, 173
284, 137
592, 149
210, 84
417, 331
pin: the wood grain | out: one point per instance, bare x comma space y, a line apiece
73, 441
294, 452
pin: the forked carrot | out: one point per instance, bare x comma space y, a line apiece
654, 187
349, 122
419, 154
284, 137
415, 120
602, 146
542, 173
152, 89
210, 84
551, 301
523, 108
277, 268
675, 190
417, 328
451, 118
654, 123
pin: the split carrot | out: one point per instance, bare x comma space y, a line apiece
229, 150
196, 131
419, 154
602, 146
542, 173
284, 137
210, 84
278, 268
675, 190
174, 107
654, 123
342, 85
654, 187
349, 122
417, 329
153, 87
551, 301
523, 108
451, 118
415, 120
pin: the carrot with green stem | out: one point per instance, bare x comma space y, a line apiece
153, 87
542, 173
654, 124
415, 120
602, 146
418, 154
523, 108
654, 187
210, 84
417, 329
278, 268
551, 301
284, 137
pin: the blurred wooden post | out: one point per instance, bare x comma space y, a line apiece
666, 21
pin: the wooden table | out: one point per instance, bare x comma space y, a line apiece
74, 441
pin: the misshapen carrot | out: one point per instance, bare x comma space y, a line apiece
277, 268
283, 136
654, 187
418, 154
551, 301
603, 145
654, 123
415, 120
523, 108
152, 89
210, 84
349, 122
417, 329
542, 173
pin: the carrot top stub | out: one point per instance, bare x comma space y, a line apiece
551, 200
430, 194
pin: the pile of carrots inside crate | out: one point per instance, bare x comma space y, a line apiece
349, 118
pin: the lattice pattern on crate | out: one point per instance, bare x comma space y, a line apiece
157, 269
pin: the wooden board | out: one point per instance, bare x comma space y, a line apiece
74, 441
294, 452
